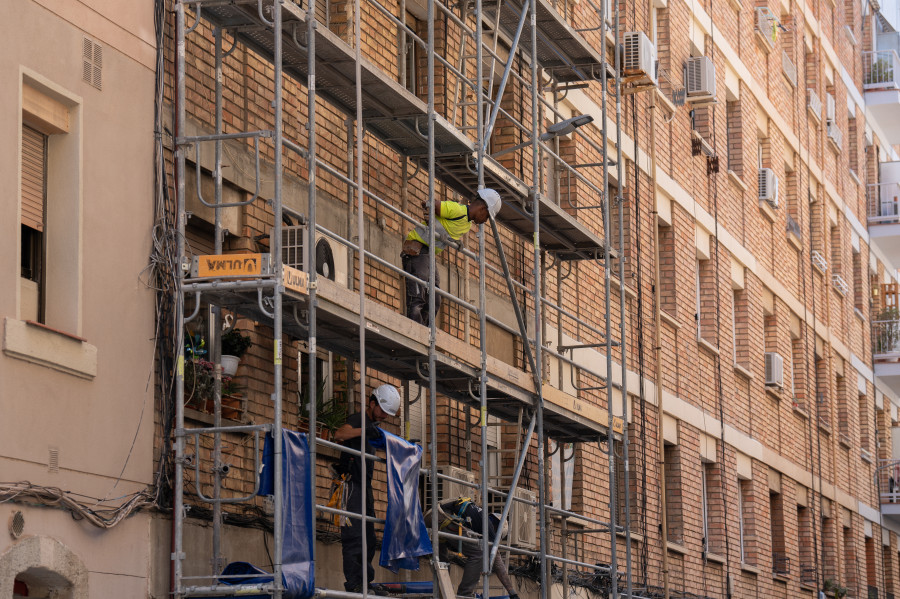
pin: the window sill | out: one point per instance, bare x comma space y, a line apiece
707, 346
743, 371
825, 429
800, 411
750, 569
736, 180
635, 538
808, 586
205, 418
714, 557
795, 241
676, 548
859, 314
45, 346
785, 578
767, 210
670, 107
671, 320
844, 440
774, 393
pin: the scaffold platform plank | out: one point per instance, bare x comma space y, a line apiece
400, 347
561, 50
400, 119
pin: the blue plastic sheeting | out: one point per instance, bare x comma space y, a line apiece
298, 569
405, 535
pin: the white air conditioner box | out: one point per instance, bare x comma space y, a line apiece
774, 370
523, 521
768, 186
331, 256
829, 107
640, 57
700, 79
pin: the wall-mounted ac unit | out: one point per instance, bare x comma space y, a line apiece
768, 186
523, 521
700, 79
640, 57
331, 256
774, 370
448, 489
814, 104
766, 26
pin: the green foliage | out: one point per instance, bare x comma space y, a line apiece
235, 344
331, 412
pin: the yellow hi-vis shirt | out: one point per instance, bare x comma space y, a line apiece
454, 223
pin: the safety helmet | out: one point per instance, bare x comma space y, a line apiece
388, 398
492, 199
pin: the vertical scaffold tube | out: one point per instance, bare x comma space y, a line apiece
312, 383
178, 515
279, 299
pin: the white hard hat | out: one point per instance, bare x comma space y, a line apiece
492, 199
388, 398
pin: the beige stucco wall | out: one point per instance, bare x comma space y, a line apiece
88, 399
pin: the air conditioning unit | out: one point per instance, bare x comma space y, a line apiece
700, 79
331, 257
640, 57
829, 107
766, 26
814, 104
523, 521
774, 370
448, 489
768, 186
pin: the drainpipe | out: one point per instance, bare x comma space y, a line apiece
657, 346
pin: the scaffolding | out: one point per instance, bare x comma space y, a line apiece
539, 53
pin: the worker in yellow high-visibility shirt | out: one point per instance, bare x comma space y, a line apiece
453, 221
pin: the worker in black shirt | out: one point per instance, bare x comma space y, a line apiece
462, 516
384, 402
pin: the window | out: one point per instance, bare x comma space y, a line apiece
867, 423
871, 568
674, 518
667, 270
780, 562
829, 540
706, 299
850, 565
852, 145
735, 141
798, 370
836, 250
50, 210
859, 290
562, 468
740, 322
747, 526
34, 195
807, 547
713, 509
622, 482
842, 406
790, 192
823, 398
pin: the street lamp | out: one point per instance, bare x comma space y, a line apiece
555, 130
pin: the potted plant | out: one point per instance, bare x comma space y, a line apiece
234, 346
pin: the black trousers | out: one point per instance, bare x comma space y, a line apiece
352, 539
416, 293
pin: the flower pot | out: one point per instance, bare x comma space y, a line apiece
230, 364
231, 407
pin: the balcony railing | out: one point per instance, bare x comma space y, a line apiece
886, 338
781, 563
884, 203
881, 70
887, 477
873, 592
809, 575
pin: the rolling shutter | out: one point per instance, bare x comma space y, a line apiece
34, 158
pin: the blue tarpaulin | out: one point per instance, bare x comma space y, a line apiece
298, 570
405, 534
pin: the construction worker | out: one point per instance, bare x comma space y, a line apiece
463, 517
453, 221
383, 403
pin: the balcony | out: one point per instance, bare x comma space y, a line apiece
883, 201
881, 82
887, 479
